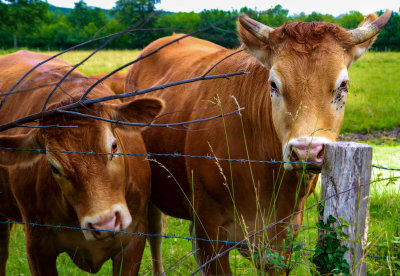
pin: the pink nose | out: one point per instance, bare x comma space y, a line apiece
111, 223
307, 152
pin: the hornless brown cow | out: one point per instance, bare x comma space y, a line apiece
293, 102
116, 81
78, 190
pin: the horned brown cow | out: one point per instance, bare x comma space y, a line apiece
293, 102
108, 192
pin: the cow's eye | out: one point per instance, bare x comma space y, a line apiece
274, 87
343, 86
55, 170
114, 148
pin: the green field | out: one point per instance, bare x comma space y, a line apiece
373, 104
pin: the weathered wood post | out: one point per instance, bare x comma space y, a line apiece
345, 183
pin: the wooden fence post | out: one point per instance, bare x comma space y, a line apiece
345, 183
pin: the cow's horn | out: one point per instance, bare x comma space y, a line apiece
365, 32
256, 28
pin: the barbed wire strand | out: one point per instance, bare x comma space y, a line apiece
209, 157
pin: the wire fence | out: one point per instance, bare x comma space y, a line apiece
83, 101
209, 157
191, 239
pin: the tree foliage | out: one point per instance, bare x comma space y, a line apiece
35, 24
20, 16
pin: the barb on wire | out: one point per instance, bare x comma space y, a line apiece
46, 113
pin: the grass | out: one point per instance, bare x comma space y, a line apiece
102, 62
372, 105
373, 102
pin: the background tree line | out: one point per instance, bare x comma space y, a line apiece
38, 25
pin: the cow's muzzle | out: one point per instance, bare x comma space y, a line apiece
306, 153
106, 224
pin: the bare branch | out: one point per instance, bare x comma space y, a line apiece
228, 56
151, 53
47, 126
73, 68
70, 49
143, 124
47, 113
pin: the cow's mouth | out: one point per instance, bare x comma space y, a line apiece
310, 169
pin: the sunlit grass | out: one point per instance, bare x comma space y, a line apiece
102, 62
373, 101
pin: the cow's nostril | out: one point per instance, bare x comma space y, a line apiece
321, 153
293, 155
118, 222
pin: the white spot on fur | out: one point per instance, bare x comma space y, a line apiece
273, 77
343, 77
109, 139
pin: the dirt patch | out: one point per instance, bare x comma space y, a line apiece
376, 137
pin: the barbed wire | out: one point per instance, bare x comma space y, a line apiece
159, 154
255, 244
384, 168
209, 157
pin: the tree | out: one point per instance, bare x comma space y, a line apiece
274, 17
129, 12
23, 15
82, 15
138, 13
351, 20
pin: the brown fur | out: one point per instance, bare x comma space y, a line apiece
116, 81
30, 192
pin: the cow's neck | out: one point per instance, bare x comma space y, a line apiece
253, 95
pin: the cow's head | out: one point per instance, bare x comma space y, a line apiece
308, 79
94, 185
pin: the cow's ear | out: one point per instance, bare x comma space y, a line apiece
142, 110
20, 150
254, 36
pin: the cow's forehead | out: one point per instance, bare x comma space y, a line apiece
297, 69
83, 137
